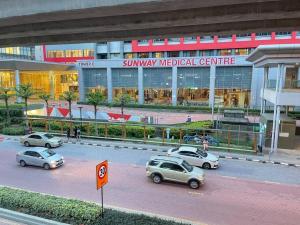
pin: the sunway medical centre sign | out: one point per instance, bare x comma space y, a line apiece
167, 62
181, 62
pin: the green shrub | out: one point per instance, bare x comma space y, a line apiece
13, 131
70, 211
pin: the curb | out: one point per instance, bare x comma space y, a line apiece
164, 151
25, 218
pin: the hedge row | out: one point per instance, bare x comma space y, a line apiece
70, 211
132, 131
13, 130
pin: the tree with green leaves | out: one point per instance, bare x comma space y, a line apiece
5, 95
46, 98
95, 99
25, 91
123, 100
69, 96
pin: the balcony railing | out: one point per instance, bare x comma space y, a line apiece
289, 84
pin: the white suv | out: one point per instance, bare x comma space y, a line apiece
168, 168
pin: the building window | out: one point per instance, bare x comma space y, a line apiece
158, 40
189, 53
174, 39
207, 53
115, 55
190, 39
283, 33
173, 54
242, 51
157, 54
264, 34
102, 56
55, 54
143, 55
243, 35
224, 52
128, 55
88, 52
143, 41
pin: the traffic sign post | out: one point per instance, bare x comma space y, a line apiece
101, 179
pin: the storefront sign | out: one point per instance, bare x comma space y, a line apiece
86, 64
182, 62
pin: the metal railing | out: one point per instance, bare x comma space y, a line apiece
224, 140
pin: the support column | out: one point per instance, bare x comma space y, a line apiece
212, 83
17, 79
174, 86
52, 84
81, 85
277, 128
262, 106
109, 86
141, 85
298, 78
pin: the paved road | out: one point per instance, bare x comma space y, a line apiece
237, 193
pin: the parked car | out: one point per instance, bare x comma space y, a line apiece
41, 139
160, 168
42, 157
199, 139
195, 156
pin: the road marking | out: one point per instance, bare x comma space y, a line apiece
271, 182
195, 193
230, 177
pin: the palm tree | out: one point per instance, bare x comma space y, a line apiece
4, 95
95, 99
123, 100
69, 96
25, 91
46, 98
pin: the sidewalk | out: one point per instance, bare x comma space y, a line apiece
281, 157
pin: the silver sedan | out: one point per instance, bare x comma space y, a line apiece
42, 157
41, 139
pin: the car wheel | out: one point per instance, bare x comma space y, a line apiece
47, 145
46, 166
22, 163
194, 184
206, 166
156, 178
26, 143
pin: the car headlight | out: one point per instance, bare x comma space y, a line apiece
53, 161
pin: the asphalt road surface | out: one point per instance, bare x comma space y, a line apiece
239, 192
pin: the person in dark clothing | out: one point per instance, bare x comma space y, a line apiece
68, 133
75, 132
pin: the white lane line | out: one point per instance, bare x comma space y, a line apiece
270, 182
230, 177
195, 193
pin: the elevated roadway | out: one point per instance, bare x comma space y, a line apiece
65, 21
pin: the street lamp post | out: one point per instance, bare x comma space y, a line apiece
80, 112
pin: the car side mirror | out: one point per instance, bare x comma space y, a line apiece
41, 157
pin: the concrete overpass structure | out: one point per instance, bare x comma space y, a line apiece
63, 21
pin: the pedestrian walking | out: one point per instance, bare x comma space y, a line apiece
75, 132
205, 144
68, 133
78, 134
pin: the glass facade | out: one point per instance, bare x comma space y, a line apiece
70, 53
158, 85
193, 86
54, 83
7, 79
125, 81
233, 86
95, 79
17, 52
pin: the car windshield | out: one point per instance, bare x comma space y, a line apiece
48, 153
48, 136
187, 166
202, 153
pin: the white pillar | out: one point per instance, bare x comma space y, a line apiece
18, 82
266, 71
212, 83
277, 128
81, 85
141, 85
109, 86
174, 86
298, 78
